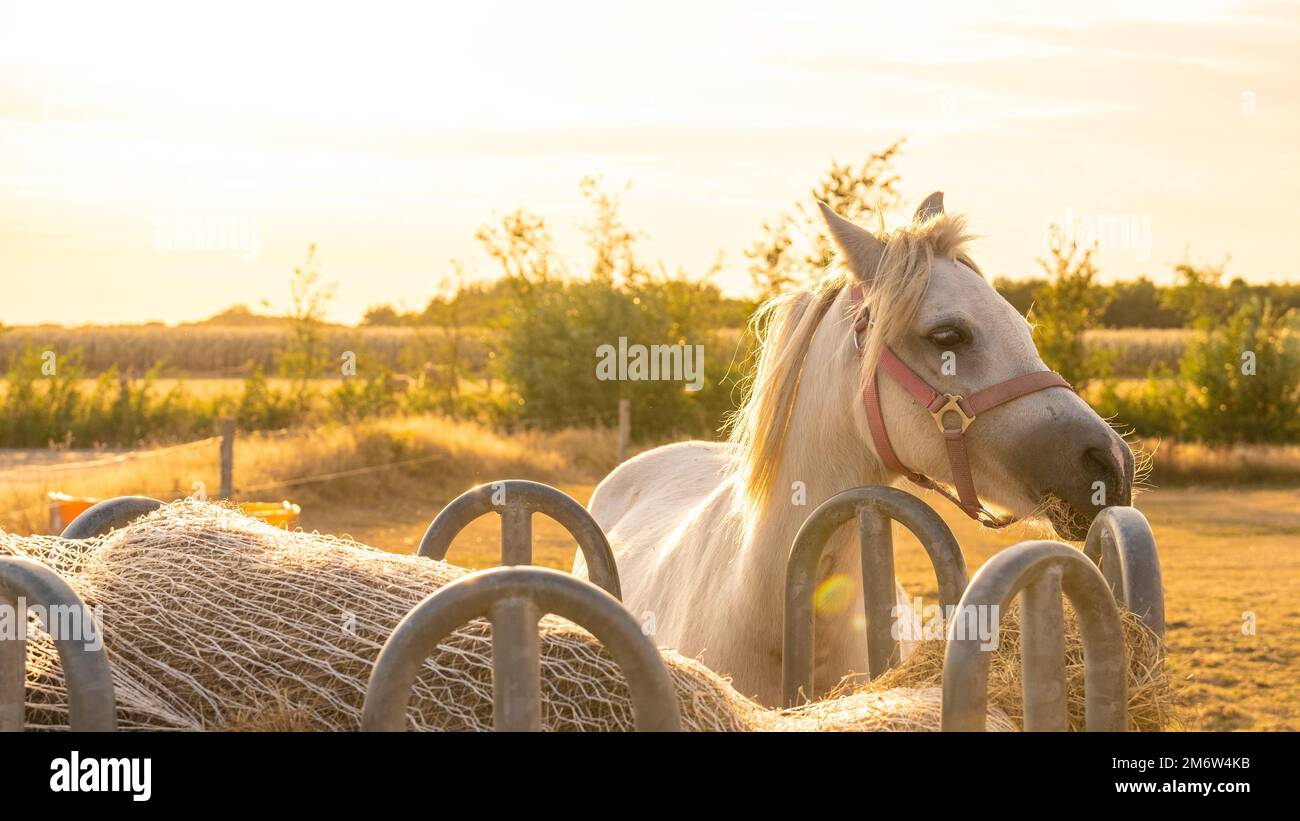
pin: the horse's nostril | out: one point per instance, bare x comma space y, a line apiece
1099, 466
1096, 461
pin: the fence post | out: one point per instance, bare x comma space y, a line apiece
624, 428
227, 457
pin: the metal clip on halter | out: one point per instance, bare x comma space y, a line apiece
952, 403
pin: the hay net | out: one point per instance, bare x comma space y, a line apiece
215, 620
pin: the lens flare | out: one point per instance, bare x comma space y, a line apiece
834, 595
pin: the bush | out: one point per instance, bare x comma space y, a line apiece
557, 325
47, 404
1149, 408
358, 398
1238, 382
262, 407
550, 356
42, 398
1244, 378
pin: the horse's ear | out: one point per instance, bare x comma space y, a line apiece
861, 249
931, 206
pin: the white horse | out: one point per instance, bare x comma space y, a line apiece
701, 531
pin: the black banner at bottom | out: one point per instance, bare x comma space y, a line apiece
134, 772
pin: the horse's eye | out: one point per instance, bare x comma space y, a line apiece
947, 337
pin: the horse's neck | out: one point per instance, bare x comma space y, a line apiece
824, 453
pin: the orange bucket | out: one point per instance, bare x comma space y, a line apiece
281, 514
65, 508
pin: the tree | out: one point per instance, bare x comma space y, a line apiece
1065, 307
794, 249
444, 313
556, 325
522, 246
1138, 303
612, 244
382, 316
1198, 297
304, 356
1019, 292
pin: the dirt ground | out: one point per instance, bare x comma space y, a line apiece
1229, 557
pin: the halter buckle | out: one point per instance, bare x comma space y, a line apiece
952, 403
859, 326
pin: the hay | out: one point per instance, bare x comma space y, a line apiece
214, 620
1151, 698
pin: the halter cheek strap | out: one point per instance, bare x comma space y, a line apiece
952, 413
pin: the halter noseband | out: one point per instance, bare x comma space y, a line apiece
940, 405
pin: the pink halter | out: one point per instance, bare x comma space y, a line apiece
965, 410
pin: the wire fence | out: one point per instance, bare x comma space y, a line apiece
24, 474
66, 468
46, 474
23, 471
341, 474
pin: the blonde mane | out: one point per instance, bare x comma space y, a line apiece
783, 329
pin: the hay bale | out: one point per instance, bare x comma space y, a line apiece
214, 620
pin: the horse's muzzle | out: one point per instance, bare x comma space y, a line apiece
1096, 475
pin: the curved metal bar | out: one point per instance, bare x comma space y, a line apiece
516, 500
91, 706
874, 507
514, 599
1121, 543
109, 514
1040, 570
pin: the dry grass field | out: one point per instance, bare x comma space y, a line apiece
388, 466
1134, 351
220, 351
1226, 553
229, 351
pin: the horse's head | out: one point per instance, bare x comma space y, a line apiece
1042, 452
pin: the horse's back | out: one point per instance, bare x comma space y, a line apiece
643, 499
659, 476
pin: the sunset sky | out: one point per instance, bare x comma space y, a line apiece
388, 134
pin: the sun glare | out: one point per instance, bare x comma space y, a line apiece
389, 136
